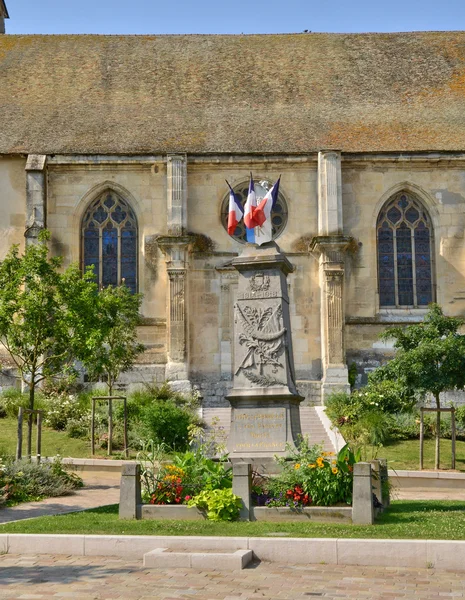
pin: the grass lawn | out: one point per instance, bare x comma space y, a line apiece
406, 454
405, 519
53, 442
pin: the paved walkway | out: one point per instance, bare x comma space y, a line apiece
98, 578
99, 489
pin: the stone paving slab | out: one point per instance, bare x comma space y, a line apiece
99, 489
43, 577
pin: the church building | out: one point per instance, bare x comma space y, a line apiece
121, 145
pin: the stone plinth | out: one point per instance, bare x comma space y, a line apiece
264, 400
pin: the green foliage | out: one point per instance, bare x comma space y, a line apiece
61, 409
219, 504
203, 472
22, 481
188, 474
352, 374
460, 416
310, 476
166, 423
11, 399
430, 356
42, 312
111, 345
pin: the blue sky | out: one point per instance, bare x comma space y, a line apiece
238, 16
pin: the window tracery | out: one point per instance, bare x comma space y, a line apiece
405, 255
109, 241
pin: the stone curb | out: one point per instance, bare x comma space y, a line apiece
427, 474
439, 554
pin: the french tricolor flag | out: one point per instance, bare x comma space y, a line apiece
262, 215
249, 212
235, 211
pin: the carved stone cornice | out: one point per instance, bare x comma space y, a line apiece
327, 243
168, 241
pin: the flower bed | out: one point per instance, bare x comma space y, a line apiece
309, 477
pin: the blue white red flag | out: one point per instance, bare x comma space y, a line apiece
250, 206
262, 215
235, 211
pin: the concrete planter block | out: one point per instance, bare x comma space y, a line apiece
179, 512
242, 487
130, 491
362, 497
202, 561
336, 514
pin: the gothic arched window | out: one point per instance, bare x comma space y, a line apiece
405, 253
109, 241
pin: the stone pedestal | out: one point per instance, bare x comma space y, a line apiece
265, 403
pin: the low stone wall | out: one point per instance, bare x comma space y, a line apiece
361, 512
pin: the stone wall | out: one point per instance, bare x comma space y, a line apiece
335, 200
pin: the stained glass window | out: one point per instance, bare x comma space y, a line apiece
278, 214
404, 253
109, 241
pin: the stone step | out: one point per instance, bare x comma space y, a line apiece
202, 561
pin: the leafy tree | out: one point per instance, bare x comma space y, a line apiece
112, 346
44, 314
430, 359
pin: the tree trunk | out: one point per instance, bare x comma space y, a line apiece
30, 418
110, 417
438, 432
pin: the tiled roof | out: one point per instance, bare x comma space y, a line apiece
294, 93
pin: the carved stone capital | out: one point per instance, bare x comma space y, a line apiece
176, 274
335, 275
175, 250
330, 244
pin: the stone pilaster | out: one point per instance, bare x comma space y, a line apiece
176, 180
329, 193
330, 244
36, 195
175, 247
175, 250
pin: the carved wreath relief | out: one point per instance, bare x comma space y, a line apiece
263, 335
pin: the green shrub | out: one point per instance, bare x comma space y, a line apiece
164, 422
22, 480
11, 399
405, 426
219, 505
62, 408
460, 416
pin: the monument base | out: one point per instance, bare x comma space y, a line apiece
264, 425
